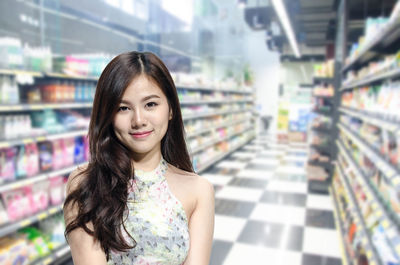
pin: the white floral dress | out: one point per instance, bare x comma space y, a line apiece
156, 220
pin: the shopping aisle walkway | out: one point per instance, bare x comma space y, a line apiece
264, 213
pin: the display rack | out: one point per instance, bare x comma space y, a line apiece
232, 105
353, 146
318, 184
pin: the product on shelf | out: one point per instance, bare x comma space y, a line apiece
322, 104
379, 99
9, 91
31, 243
325, 70
324, 91
81, 64
11, 53
389, 62
316, 173
28, 160
37, 59
321, 122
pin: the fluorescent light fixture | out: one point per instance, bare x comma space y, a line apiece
182, 9
281, 12
242, 4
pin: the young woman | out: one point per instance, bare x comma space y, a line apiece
138, 201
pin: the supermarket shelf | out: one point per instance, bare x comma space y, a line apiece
388, 219
369, 118
323, 96
9, 228
41, 106
209, 129
372, 78
24, 182
321, 130
33, 139
373, 258
213, 142
55, 256
384, 39
213, 160
327, 165
339, 224
390, 171
209, 114
212, 89
322, 148
219, 101
76, 77
323, 112
20, 72
317, 79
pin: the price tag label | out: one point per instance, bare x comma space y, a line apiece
40, 138
25, 223
16, 185
396, 180
27, 141
36, 106
379, 213
385, 224
380, 164
48, 261
15, 107
42, 216
389, 173
54, 210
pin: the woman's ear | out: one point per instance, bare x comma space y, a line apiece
170, 114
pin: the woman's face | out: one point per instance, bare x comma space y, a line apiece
142, 118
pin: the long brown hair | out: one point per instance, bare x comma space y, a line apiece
102, 195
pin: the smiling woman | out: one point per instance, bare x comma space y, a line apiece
138, 201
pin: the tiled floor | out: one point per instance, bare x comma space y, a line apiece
264, 213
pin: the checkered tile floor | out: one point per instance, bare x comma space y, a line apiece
264, 212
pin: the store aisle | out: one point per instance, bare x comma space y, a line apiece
264, 212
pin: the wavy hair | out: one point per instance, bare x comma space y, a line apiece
101, 196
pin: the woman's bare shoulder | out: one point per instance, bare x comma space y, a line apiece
194, 182
76, 177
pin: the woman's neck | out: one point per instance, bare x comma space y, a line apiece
147, 162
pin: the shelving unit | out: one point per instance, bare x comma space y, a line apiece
339, 221
361, 227
232, 106
321, 184
356, 147
8, 228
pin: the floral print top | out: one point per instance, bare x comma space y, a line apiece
157, 221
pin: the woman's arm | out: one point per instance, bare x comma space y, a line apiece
84, 249
201, 225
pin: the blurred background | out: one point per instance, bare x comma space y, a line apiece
290, 109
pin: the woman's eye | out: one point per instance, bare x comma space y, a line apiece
123, 108
151, 104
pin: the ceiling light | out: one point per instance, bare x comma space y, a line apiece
281, 12
242, 4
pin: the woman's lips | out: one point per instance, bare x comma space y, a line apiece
141, 134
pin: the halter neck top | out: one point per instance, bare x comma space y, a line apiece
157, 221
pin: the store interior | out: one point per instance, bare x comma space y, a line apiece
290, 108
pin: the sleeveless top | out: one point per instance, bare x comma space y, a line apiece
157, 221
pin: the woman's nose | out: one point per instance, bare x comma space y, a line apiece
138, 118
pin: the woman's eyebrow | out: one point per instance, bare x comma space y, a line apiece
126, 101
150, 96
